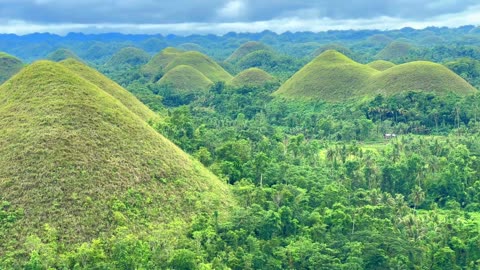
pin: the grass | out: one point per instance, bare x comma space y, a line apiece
333, 46
421, 76
246, 49
395, 50
62, 54
129, 56
381, 65
9, 66
252, 77
111, 87
170, 58
185, 79
190, 47
72, 155
333, 77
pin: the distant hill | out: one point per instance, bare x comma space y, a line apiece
421, 76
170, 58
381, 65
129, 56
331, 76
252, 77
111, 87
396, 50
190, 47
185, 79
333, 46
62, 54
77, 160
379, 40
334, 77
9, 66
246, 49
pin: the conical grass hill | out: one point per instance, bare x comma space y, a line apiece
170, 58
75, 158
334, 77
185, 79
62, 54
252, 77
191, 47
418, 76
9, 66
129, 56
111, 87
331, 77
397, 50
381, 65
246, 49
333, 46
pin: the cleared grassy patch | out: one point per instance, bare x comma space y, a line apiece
253, 77
185, 79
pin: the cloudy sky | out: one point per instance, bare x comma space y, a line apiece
221, 16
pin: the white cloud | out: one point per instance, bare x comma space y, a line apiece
233, 10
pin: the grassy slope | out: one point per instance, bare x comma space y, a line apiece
395, 50
381, 65
252, 77
159, 62
71, 156
245, 49
331, 77
9, 65
202, 63
185, 79
110, 87
420, 75
190, 47
129, 56
62, 54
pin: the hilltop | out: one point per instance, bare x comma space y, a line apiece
381, 65
185, 79
246, 49
9, 66
252, 77
190, 47
397, 50
334, 77
421, 76
111, 87
62, 54
336, 47
129, 56
75, 158
331, 76
170, 58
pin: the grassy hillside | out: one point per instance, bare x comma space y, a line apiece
202, 63
396, 50
159, 62
129, 56
246, 49
185, 79
331, 76
337, 47
62, 54
74, 157
112, 88
253, 77
420, 75
9, 65
381, 65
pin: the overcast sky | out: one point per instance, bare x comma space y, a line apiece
218, 17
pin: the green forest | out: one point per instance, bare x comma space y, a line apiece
331, 150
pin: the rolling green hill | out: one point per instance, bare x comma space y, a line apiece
112, 88
62, 54
246, 49
185, 79
156, 65
331, 76
9, 65
333, 46
190, 47
252, 77
75, 158
396, 50
129, 56
420, 75
381, 65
